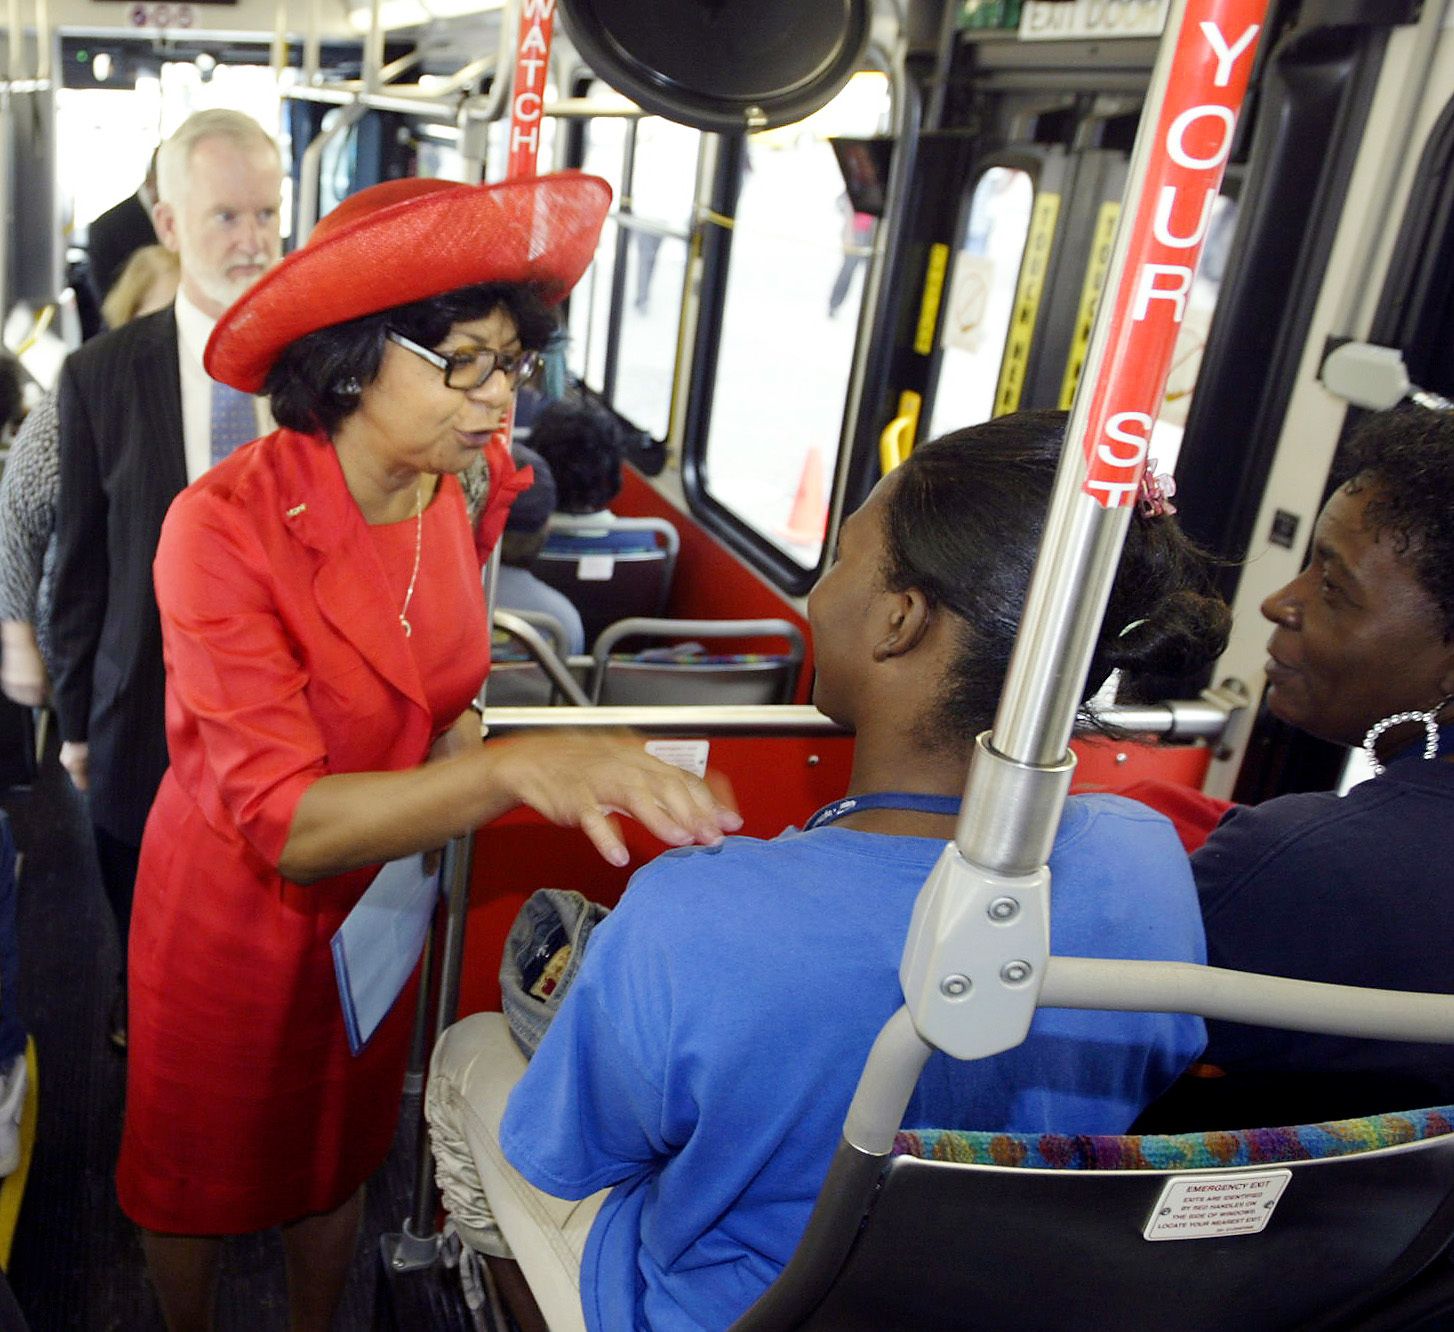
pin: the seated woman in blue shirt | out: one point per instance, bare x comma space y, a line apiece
1352, 889
702, 1063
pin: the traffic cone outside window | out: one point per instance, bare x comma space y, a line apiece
809, 518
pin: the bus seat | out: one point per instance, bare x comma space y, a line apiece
518, 678
1041, 1231
663, 677
606, 582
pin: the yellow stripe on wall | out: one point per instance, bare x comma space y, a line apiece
933, 294
1031, 286
1096, 269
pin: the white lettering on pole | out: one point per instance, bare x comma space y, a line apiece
527, 106
532, 67
539, 10
534, 41
1167, 227
1161, 223
1117, 429
1226, 55
1147, 290
1176, 136
521, 138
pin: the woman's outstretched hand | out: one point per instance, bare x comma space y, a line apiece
581, 779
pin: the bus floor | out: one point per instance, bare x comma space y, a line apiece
76, 1261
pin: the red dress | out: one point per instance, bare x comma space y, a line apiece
285, 662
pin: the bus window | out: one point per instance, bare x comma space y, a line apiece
590, 302
663, 180
785, 349
981, 296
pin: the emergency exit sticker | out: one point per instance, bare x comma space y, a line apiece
1209, 1206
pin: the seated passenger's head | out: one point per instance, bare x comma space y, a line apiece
1367, 629
525, 528
924, 598
583, 445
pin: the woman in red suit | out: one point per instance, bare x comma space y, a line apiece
324, 636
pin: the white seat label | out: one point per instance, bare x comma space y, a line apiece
1210, 1204
595, 568
688, 755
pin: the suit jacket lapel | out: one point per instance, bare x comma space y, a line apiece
349, 583
159, 383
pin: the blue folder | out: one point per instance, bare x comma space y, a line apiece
377, 947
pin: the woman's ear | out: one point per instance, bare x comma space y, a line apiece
907, 622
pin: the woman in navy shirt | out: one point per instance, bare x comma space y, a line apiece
1352, 889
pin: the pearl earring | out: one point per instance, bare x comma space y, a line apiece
1431, 732
349, 388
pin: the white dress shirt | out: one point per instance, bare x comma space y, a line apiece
193, 330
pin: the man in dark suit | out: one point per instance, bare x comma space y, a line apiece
139, 420
119, 232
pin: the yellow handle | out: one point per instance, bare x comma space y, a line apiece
897, 440
42, 322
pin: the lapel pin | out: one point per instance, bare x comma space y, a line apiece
296, 510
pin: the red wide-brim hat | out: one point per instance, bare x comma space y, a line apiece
404, 241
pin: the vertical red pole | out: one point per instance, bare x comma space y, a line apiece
527, 101
1181, 153
1189, 145
527, 115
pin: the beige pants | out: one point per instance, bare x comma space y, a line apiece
494, 1208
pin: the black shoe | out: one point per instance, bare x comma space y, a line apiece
116, 1023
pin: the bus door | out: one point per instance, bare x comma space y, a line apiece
1011, 219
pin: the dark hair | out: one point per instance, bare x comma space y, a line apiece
1407, 455
963, 525
306, 383
583, 444
12, 390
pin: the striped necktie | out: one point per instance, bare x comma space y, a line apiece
234, 421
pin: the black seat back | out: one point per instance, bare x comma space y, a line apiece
954, 1246
610, 585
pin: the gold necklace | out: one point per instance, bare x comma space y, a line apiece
418, 550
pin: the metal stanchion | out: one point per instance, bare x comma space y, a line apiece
415, 1246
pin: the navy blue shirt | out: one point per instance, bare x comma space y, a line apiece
1355, 890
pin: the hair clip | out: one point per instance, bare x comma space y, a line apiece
1153, 496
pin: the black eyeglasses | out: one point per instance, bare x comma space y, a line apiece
468, 369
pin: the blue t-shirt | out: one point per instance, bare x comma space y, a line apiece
704, 1059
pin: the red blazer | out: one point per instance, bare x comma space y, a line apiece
300, 670
285, 663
